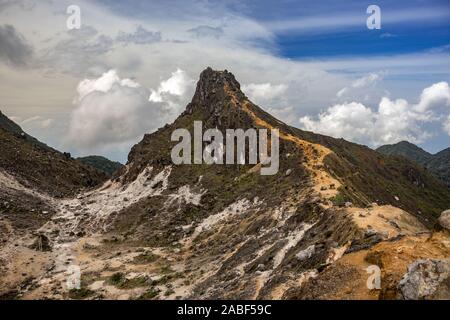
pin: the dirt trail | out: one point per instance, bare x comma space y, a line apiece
324, 184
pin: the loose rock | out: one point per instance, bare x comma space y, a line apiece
425, 279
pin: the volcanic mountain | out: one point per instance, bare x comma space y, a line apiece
438, 163
158, 230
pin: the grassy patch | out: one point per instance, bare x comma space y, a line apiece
340, 199
169, 292
119, 280
149, 294
165, 269
167, 278
144, 258
80, 294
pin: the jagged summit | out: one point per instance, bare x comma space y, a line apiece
213, 80
213, 89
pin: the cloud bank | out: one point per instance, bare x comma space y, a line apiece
14, 49
263, 92
140, 36
113, 112
393, 121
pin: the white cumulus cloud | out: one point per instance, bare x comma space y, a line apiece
352, 121
262, 92
103, 84
437, 95
393, 121
360, 84
365, 81
176, 85
112, 112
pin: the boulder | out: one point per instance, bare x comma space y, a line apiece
306, 254
444, 220
426, 279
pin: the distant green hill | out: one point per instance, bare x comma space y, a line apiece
101, 163
408, 150
438, 164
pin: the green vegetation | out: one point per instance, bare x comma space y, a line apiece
149, 294
80, 294
169, 292
165, 269
340, 199
438, 164
406, 149
370, 176
101, 163
119, 280
144, 258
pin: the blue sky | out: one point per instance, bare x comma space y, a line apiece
428, 26
313, 64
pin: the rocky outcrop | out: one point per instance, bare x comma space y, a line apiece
426, 279
444, 220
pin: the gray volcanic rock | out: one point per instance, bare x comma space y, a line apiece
444, 220
426, 279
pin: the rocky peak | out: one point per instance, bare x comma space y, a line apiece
212, 81
214, 88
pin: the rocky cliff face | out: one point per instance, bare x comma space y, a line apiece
159, 230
